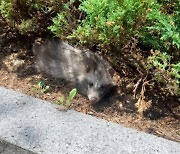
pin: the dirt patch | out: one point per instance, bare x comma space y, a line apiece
17, 72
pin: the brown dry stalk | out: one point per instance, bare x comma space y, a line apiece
141, 104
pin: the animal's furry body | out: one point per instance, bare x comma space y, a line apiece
90, 73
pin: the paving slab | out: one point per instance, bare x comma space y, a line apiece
37, 126
8, 148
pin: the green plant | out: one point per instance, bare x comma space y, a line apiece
28, 16
165, 71
104, 22
67, 101
26, 26
109, 22
6, 9
162, 30
66, 21
41, 86
59, 24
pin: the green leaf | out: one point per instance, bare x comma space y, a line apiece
72, 93
40, 84
46, 88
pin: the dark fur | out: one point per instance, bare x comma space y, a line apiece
90, 73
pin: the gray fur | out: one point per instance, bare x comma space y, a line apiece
90, 73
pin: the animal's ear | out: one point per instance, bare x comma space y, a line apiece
111, 71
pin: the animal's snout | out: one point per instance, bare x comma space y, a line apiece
94, 100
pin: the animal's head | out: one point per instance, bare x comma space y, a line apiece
98, 83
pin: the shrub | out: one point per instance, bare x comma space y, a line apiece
164, 71
66, 21
26, 15
105, 22
162, 30
6, 9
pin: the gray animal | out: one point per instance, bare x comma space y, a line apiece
88, 72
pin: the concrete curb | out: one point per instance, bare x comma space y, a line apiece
38, 126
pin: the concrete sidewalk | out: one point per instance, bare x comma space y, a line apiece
39, 127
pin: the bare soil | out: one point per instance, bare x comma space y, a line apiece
17, 72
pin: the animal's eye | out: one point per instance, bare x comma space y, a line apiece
102, 87
90, 84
